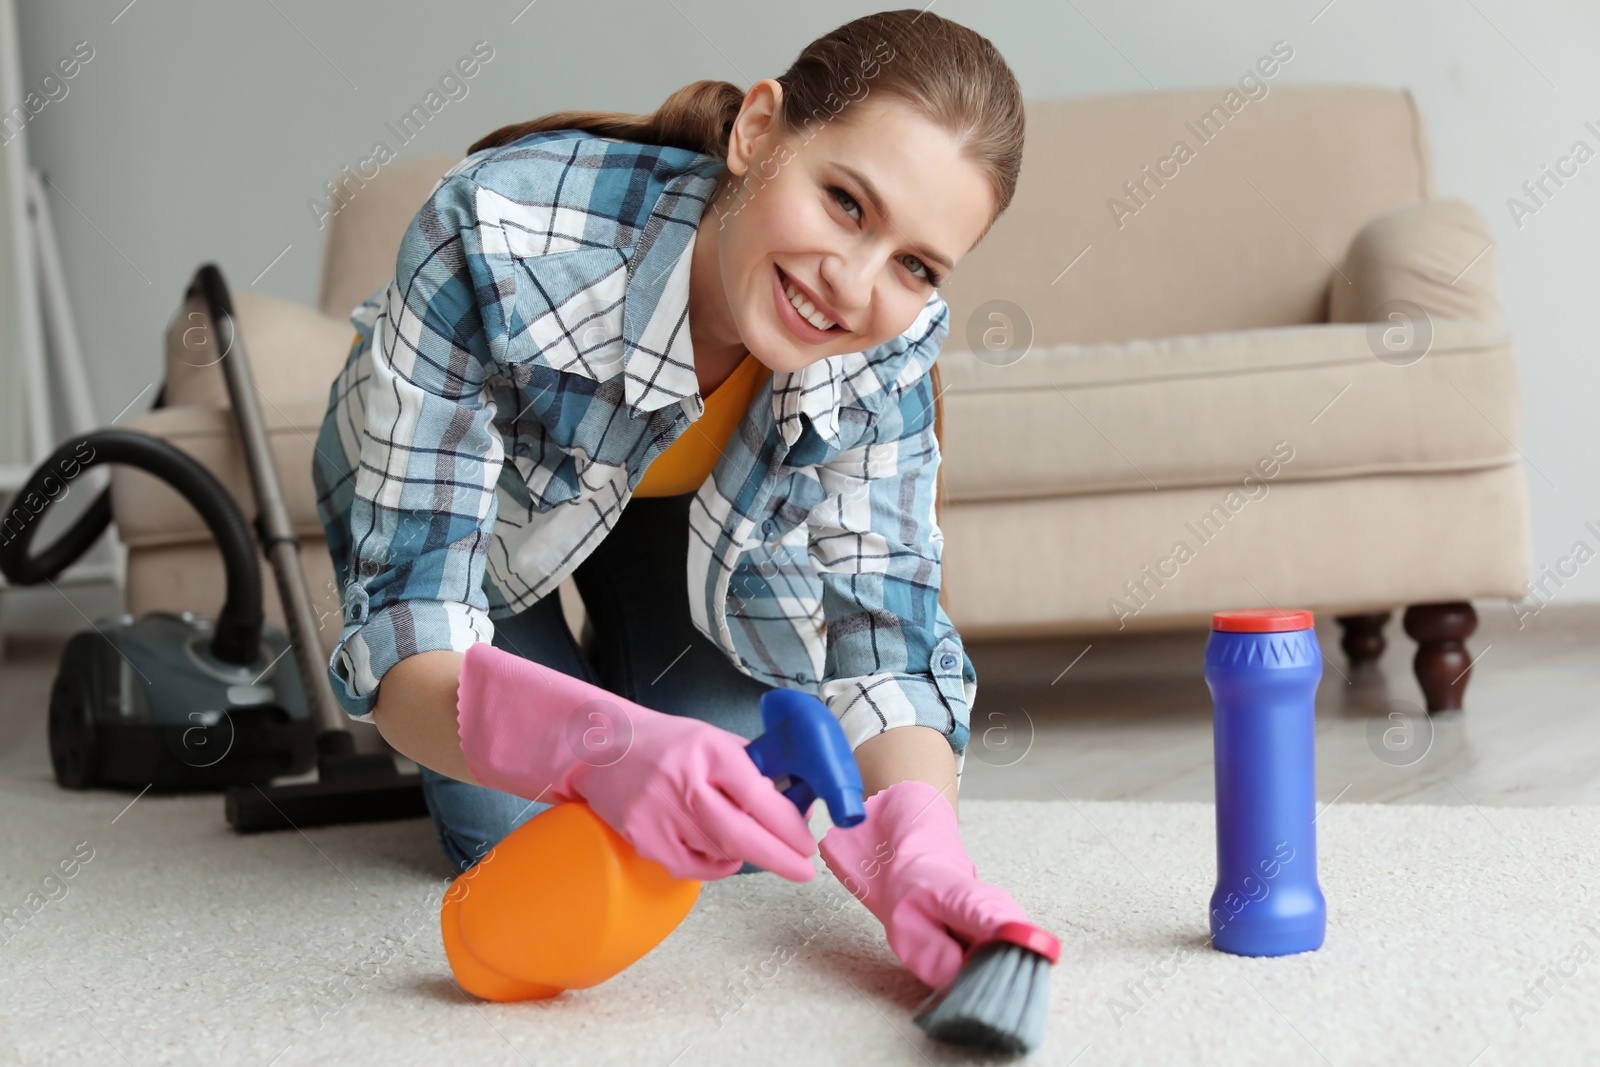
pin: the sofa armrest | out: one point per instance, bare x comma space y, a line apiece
150, 512
295, 351
1438, 254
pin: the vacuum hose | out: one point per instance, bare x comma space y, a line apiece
238, 632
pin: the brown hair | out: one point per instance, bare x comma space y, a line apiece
948, 73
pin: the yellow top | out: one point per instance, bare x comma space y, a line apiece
687, 462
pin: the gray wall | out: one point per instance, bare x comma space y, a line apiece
201, 131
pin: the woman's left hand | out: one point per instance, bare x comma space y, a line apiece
907, 864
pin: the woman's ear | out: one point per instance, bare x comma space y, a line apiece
758, 120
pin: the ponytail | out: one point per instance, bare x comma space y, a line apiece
698, 117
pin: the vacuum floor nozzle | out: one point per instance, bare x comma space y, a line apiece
351, 787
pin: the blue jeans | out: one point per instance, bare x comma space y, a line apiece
635, 590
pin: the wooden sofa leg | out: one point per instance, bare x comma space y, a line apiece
1442, 664
1363, 637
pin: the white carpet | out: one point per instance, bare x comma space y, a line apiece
179, 942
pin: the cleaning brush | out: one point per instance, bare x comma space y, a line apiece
1001, 995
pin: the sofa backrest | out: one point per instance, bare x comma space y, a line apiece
360, 243
1234, 213
1115, 232
367, 217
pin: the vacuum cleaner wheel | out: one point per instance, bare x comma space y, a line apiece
74, 739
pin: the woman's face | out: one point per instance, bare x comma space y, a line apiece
860, 215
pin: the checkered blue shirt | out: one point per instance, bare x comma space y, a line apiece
531, 357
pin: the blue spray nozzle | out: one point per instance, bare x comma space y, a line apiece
804, 743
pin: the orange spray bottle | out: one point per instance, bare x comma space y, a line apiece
564, 902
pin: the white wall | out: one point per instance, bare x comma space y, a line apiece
200, 131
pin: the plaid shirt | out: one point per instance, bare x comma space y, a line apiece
531, 357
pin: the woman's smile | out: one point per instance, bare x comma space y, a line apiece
798, 324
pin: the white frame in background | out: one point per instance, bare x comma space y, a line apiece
39, 300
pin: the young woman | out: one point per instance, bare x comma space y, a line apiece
686, 359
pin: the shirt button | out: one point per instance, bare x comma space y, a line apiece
947, 661
769, 527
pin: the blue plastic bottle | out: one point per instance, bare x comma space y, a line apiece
1263, 667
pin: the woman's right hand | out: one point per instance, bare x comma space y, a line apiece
682, 792
687, 795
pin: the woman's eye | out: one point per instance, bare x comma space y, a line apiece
845, 200
926, 274
929, 275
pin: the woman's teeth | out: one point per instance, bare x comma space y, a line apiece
807, 311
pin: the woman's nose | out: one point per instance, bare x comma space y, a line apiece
849, 285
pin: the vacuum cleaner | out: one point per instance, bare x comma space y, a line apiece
172, 702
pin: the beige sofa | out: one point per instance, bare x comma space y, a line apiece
1219, 313
1149, 411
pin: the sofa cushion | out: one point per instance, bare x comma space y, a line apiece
1436, 254
1207, 409
1092, 563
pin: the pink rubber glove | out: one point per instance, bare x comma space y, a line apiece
680, 791
906, 863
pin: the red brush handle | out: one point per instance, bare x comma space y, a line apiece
1028, 936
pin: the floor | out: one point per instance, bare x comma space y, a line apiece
1129, 718
1456, 937
1463, 959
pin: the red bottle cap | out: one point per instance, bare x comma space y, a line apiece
1260, 621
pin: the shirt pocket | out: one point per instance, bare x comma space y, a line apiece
564, 310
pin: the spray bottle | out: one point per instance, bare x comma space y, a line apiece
564, 902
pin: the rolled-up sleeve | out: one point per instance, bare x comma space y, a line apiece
893, 657
423, 512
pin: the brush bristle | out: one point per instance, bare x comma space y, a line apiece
999, 1001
